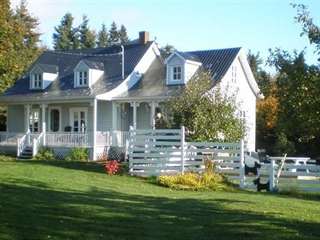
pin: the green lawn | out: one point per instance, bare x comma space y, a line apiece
61, 200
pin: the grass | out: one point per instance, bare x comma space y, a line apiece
70, 200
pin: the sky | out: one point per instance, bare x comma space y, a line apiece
188, 24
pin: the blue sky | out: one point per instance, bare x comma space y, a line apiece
189, 25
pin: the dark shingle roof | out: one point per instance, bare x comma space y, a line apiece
94, 65
216, 61
66, 61
153, 82
48, 68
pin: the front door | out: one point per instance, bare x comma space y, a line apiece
54, 120
78, 118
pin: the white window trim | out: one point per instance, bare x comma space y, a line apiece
181, 74
77, 78
78, 109
49, 117
33, 80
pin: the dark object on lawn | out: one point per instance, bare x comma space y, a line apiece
261, 186
253, 170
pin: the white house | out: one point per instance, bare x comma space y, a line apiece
90, 97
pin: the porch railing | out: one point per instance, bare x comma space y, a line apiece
21, 144
10, 138
37, 143
112, 138
68, 139
65, 139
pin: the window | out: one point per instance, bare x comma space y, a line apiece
243, 115
36, 81
34, 120
234, 74
78, 117
82, 78
177, 73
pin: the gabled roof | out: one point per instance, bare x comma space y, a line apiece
110, 58
47, 68
94, 65
216, 61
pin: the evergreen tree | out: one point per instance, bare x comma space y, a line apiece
65, 37
113, 34
103, 37
87, 36
123, 36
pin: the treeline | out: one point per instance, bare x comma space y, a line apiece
67, 36
288, 119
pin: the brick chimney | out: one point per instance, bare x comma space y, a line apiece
143, 37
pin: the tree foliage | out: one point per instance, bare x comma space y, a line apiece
309, 28
298, 94
19, 42
87, 36
103, 37
207, 114
66, 37
123, 35
166, 50
113, 34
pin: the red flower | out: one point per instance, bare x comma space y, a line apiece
112, 167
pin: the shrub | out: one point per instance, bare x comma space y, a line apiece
209, 180
112, 167
45, 153
78, 154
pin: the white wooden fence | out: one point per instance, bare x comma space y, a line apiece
165, 152
298, 173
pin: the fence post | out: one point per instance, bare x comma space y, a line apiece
182, 148
242, 170
271, 175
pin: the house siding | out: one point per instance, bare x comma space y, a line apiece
245, 100
143, 116
15, 121
104, 116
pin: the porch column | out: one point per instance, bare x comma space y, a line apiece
114, 115
27, 118
94, 129
43, 120
153, 106
134, 105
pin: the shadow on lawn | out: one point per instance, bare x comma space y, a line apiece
29, 210
82, 166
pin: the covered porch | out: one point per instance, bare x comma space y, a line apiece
95, 124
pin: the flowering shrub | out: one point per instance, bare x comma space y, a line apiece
209, 180
112, 167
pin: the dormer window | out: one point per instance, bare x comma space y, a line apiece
36, 81
177, 73
86, 73
82, 79
42, 75
180, 68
